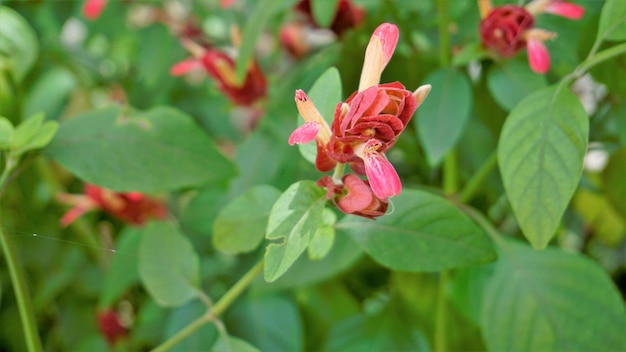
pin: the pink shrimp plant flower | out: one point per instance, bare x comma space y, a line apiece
364, 127
509, 28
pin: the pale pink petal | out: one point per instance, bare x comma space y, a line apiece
565, 9
93, 8
388, 34
359, 195
305, 133
538, 56
185, 66
74, 214
226, 3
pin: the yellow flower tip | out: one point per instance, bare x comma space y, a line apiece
484, 6
421, 93
227, 72
373, 64
536, 7
345, 109
193, 48
309, 112
539, 34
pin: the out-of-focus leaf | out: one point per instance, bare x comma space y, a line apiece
597, 212
469, 53
540, 153
324, 11
50, 93
6, 132
200, 340
389, 330
18, 43
26, 131
613, 20
45, 134
614, 176
240, 226
168, 264
262, 11
295, 217
123, 272
325, 94
424, 233
199, 215
439, 122
158, 150
551, 301
268, 321
233, 344
467, 288
511, 81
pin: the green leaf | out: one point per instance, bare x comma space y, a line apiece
154, 151
6, 133
200, 340
325, 94
305, 272
26, 131
168, 265
269, 321
470, 52
233, 344
44, 135
240, 226
540, 152
294, 219
262, 13
324, 237
123, 272
613, 178
424, 233
390, 330
18, 43
439, 122
511, 81
613, 20
324, 11
50, 92
551, 300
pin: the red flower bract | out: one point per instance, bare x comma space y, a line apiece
348, 15
380, 112
503, 29
111, 327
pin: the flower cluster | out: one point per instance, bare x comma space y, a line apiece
364, 127
133, 207
509, 28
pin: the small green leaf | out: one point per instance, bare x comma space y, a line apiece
324, 11
321, 243
294, 219
424, 233
18, 42
613, 20
439, 122
26, 131
240, 226
158, 150
551, 300
469, 53
123, 272
44, 135
168, 265
511, 81
6, 133
540, 152
262, 13
325, 94
233, 344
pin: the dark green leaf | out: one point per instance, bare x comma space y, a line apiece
168, 265
540, 152
123, 272
551, 300
268, 321
439, 122
511, 81
18, 43
614, 177
613, 20
424, 233
295, 217
158, 150
240, 226
233, 344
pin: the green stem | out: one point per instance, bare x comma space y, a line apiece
600, 57
444, 33
338, 173
441, 313
211, 315
479, 177
24, 303
483, 223
450, 173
